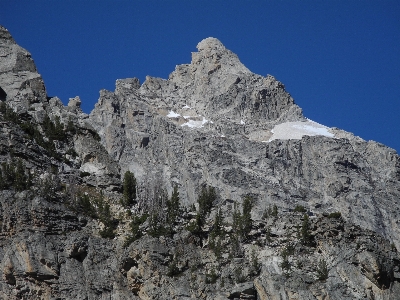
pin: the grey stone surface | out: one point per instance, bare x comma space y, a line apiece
208, 123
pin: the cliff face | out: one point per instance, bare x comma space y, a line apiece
211, 123
214, 122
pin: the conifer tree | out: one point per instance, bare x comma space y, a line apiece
129, 188
173, 207
305, 231
247, 222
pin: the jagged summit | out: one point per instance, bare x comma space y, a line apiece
5, 36
217, 93
20, 83
217, 57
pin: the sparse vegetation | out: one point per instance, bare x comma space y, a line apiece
254, 263
173, 209
285, 264
322, 270
135, 232
305, 233
272, 211
205, 202
212, 277
15, 175
335, 215
242, 222
300, 208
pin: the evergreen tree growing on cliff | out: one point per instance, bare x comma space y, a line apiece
247, 222
205, 201
129, 189
305, 234
173, 207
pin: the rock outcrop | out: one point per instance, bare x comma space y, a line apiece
324, 204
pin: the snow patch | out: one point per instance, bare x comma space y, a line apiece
242, 122
173, 114
186, 107
195, 124
296, 130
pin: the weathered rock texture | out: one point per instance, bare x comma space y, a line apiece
210, 123
345, 173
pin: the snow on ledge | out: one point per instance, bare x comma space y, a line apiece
195, 124
173, 114
296, 130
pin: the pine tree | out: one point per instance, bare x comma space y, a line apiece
206, 199
129, 188
106, 219
247, 222
21, 179
237, 220
173, 207
217, 228
305, 231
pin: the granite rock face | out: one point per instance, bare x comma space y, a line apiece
21, 85
325, 220
211, 123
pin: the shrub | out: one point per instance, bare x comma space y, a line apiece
106, 218
8, 113
254, 263
300, 208
322, 270
212, 277
215, 245
71, 152
15, 175
238, 275
286, 252
274, 211
49, 187
84, 174
335, 215
268, 234
173, 269
135, 232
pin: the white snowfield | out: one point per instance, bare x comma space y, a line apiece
296, 130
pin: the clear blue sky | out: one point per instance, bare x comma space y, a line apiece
340, 60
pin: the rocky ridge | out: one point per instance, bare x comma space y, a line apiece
211, 123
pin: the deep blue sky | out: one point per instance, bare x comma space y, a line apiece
340, 60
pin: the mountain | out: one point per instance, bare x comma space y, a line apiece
210, 184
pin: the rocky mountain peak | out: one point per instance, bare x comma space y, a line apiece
213, 56
20, 83
209, 44
5, 36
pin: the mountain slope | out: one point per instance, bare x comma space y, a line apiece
237, 194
